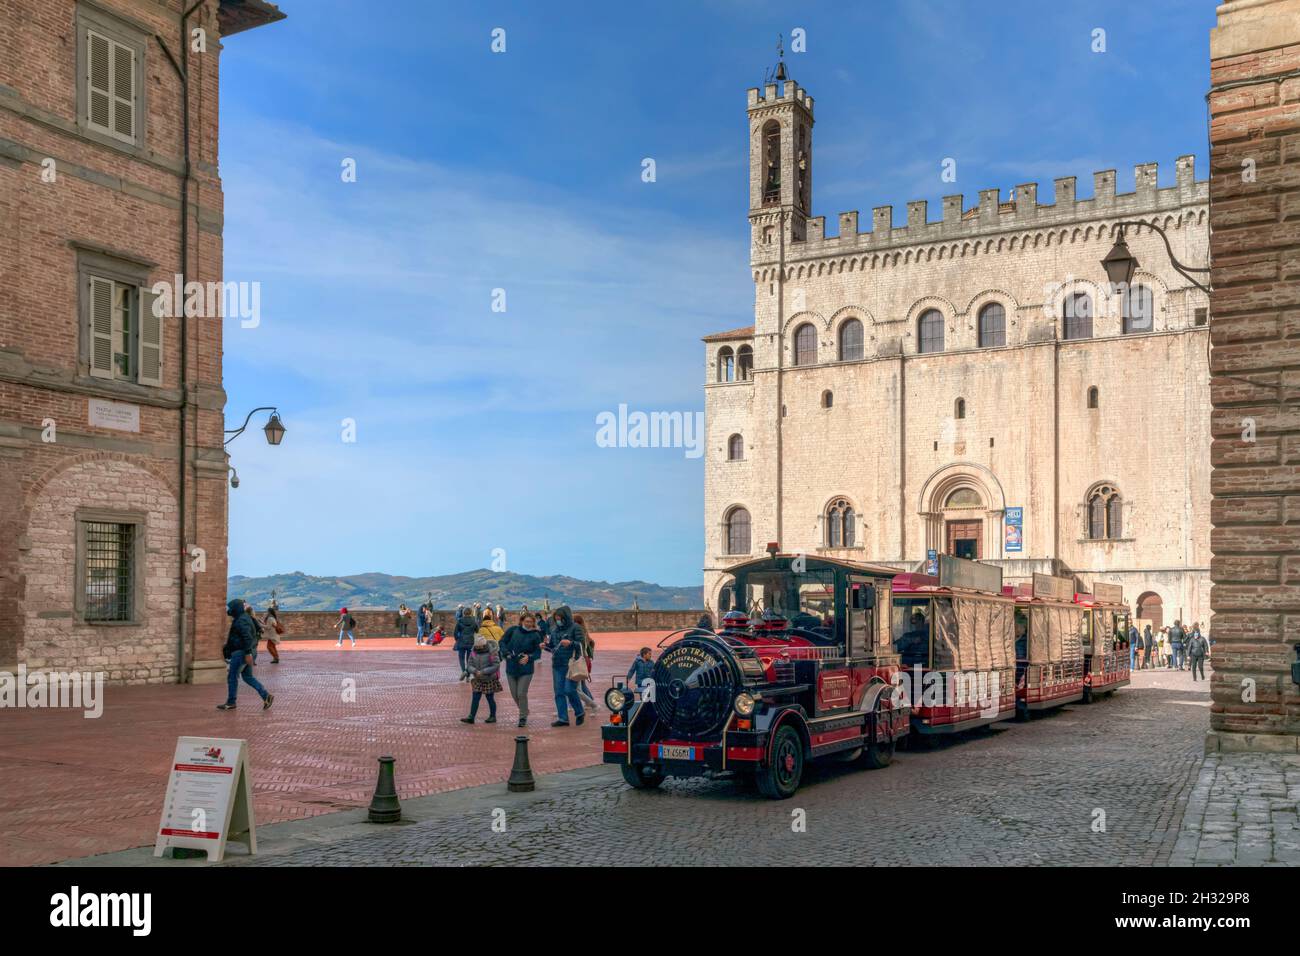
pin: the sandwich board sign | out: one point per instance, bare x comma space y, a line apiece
209, 798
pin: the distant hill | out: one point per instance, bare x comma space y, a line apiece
306, 592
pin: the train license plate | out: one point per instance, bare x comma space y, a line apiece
676, 753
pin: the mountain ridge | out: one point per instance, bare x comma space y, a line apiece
296, 591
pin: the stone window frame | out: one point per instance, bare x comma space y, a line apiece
727, 517
930, 318
129, 34
726, 371
732, 447
94, 263
84, 516
983, 329
799, 353
845, 326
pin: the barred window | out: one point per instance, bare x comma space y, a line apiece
1104, 513
805, 345
1139, 310
930, 331
737, 527
1078, 316
735, 448
993, 326
851, 341
840, 524
109, 571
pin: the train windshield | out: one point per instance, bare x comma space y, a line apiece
805, 599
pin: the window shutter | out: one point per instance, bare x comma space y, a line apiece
151, 329
123, 91
101, 328
99, 86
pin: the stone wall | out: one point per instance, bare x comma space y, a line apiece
1255, 217
318, 624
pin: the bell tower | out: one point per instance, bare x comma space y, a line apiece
780, 164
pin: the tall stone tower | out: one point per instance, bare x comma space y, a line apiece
780, 165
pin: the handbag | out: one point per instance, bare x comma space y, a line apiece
577, 671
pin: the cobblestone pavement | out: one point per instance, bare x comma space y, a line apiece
1099, 784
1242, 810
74, 787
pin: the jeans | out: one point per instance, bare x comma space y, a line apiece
419, 632
1176, 656
238, 668
476, 697
462, 655
519, 691
566, 692
1198, 663
345, 631
1132, 655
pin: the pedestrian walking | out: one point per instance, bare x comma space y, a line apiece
565, 647
483, 664
1177, 638
1197, 648
642, 670
489, 628
1134, 639
463, 638
241, 641
404, 624
521, 649
272, 629
346, 625
588, 654
500, 616
1148, 644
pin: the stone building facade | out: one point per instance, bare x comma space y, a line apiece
112, 468
1255, 388
970, 385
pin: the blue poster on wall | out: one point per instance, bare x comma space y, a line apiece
1015, 529
932, 561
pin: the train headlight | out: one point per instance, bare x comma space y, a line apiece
615, 699
745, 704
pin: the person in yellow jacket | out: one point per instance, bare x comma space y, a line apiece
489, 628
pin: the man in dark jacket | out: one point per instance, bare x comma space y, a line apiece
1197, 648
466, 628
1134, 641
564, 643
1177, 637
1148, 645
240, 644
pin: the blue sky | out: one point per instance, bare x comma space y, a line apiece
475, 429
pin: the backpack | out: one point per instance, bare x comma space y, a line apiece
352, 623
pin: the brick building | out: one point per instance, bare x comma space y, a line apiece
970, 385
1255, 388
112, 470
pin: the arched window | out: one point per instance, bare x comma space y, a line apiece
744, 363
851, 341
737, 526
1077, 310
771, 163
735, 448
959, 408
726, 364
805, 345
1104, 513
1139, 309
840, 519
828, 399
930, 331
992, 326
1093, 397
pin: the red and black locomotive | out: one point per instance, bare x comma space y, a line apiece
801, 667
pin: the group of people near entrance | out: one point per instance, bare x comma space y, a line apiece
1176, 648
483, 648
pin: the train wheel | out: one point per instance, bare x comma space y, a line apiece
780, 778
642, 776
879, 755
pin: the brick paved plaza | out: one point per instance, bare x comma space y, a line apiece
1021, 794
75, 787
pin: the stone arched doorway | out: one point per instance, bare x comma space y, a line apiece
1151, 608
962, 507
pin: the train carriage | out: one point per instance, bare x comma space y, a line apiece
802, 667
1104, 634
1049, 651
955, 638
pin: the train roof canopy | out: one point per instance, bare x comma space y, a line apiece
783, 561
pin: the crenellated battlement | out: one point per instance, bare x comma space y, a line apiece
993, 215
776, 94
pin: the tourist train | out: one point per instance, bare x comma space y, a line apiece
819, 658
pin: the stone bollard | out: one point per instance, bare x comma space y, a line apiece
521, 774
384, 805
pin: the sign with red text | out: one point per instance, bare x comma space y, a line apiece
209, 798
